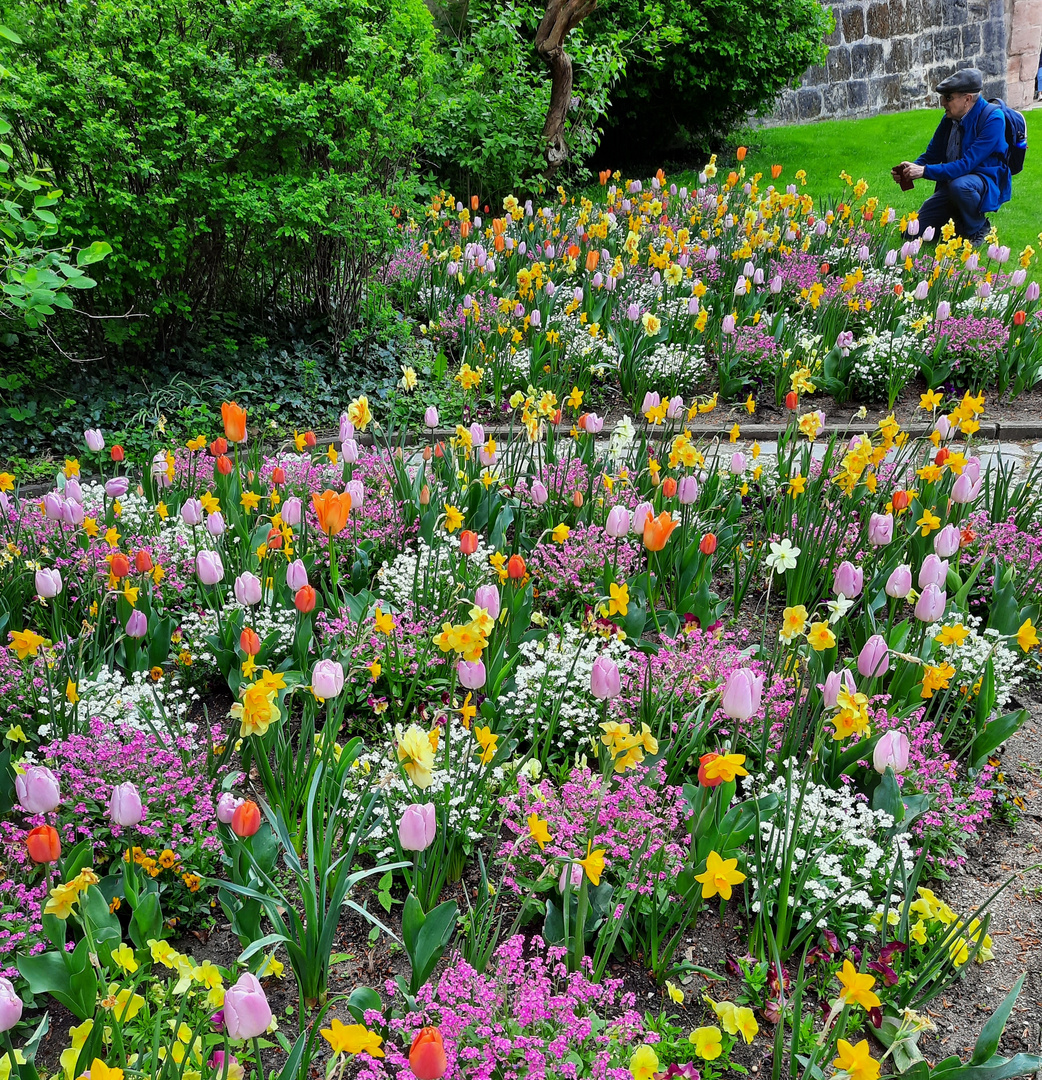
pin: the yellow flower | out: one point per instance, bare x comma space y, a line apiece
539, 830
416, 756
100, 1071
720, 876
15, 734
593, 864
560, 533
453, 518
162, 953
487, 741
750, 405
61, 899
857, 988
644, 1063
651, 324
675, 993
467, 712
127, 1004
820, 637
1027, 638
725, 767
797, 483
734, 433
856, 1061
131, 593
258, 709
69, 1056
928, 522
375, 669
271, 966
794, 622
162, 510
936, 677
25, 643
351, 1039
384, 621
930, 400
951, 635
618, 599
358, 413
124, 957
708, 1042
746, 1023
6, 481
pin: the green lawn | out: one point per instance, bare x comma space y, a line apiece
869, 148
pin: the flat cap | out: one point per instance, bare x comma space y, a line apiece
967, 81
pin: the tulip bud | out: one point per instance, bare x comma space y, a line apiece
94, 439
10, 1005
742, 692
116, 453
227, 804
425, 494
430, 416
472, 674
687, 490
125, 805
249, 641
515, 568
577, 499
669, 487
215, 523
468, 542
931, 604
834, 682
327, 679
874, 658
247, 589
892, 749
305, 598
848, 580
707, 545
296, 575
899, 584
37, 790
605, 681
245, 822
417, 826
946, 542
247, 1014
137, 624
965, 489
291, 510
44, 844
640, 516
880, 529
573, 871
791, 400
48, 583
934, 571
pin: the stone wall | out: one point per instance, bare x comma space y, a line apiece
886, 55
1025, 42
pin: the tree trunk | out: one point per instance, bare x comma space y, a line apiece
560, 18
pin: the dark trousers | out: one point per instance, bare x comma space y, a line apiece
959, 201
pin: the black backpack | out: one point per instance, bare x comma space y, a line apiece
1016, 132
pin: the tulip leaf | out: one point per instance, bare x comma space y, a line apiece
988, 1040
363, 999
995, 734
887, 796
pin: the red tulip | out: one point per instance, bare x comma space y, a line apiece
309, 438
515, 568
468, 542
120, 565
44, 844
224, 464
427, 1055
278, 475
246, 820
791, 400
900, 500
304, 601
116, 453
1019, 317
703, 761
143, 562
707, 545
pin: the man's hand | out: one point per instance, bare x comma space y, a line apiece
911, 170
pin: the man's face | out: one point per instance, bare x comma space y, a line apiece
956, 106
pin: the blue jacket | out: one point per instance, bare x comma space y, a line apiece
983, 153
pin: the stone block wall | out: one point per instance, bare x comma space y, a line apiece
886, 55
1025, 42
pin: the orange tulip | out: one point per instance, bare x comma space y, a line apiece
740, 153
515, 567
464, 230
577, 499
592, 259
901, 499
116, 453
224, 464
274, 540
499, 226
573, 251
1019, 318
604, 176
468, 541
143, 562
669, 487
44, 844
657, 530
278, 475
249, 642
246, 820
775, 172
427, 1055
304, 600
120, 565
942, 455
310, 439
499, 242
332, 510
218, 447
704, 780
707, 545
473, 202
234, 422
791, 400
425, 495
732, 178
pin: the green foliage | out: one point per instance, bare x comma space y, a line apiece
244, 156
714, 62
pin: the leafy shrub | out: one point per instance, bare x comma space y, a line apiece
243, 156
715, 61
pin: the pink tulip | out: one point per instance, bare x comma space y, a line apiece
848, 580
651, 401
430, 416
676, 408
227, 804
356, 489
605, 681
737, 463
48, 583
215, 523
246, 1010
125, 805
117, 487
742, 692
347, 429
73, 491
965, 489
349, 451
594, 424
618, 523
327, 679
687, 490
573, 871
892, 749
37, 790
296, 575
899, 583
834, 682
137, 624
291, 509
209, 568
640, 516
52, 506
880, 529
930, 605
192, 512
472, 674
539, 493
417, 826
94, 439
247, 589
874, 658
934, 571
487, 597
946, 542
943, 426
72, 513
10, 1005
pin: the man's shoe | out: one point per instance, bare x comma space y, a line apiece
980, 235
